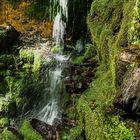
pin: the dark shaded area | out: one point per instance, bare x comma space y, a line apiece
8, 37
77, 13
39, 9
80, 76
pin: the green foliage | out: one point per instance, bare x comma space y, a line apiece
117, 129
77, 60
89, 53
24, 84
69, 133
4, 121
28, 133
6, 58
32, 60
26, 55
7, 135
57, 49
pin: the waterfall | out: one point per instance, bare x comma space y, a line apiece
59, 29
51, 109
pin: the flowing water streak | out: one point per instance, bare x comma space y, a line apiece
59, 29
59, 26
63, 4
52, 109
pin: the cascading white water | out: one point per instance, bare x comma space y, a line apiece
59, 29
52, 108
59, 26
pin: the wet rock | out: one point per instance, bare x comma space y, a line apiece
121, 69
8, 36
131, 55
127, 57
129, 99
47, 131
69, 122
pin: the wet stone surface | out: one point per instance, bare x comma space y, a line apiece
47, 131
129, 98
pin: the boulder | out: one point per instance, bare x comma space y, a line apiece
8, 36
47, 131
128, 75
129, 99
127, 57
130, 55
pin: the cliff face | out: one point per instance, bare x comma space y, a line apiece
114, 28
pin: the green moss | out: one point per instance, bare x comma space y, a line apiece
37, 65
4, 122
31, 59
57, 49
98, 125
7, 135
109, 22
26, 55
89, 53
69, 133
28, 133
135, 28
76, 133
77, 60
